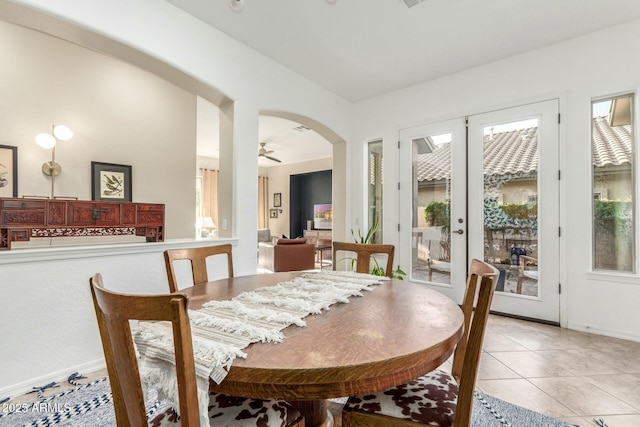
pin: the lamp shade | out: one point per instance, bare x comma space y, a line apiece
207, 222
62, 132
45, 140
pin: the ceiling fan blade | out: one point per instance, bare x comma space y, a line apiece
273, 158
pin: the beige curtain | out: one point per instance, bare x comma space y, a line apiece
210, 194
263, 202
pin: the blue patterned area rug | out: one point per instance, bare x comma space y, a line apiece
90, 404
490, 411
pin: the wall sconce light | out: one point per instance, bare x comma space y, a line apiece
49, 141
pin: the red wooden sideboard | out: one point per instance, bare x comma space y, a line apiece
24, 218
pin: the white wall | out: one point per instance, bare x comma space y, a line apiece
574, 71
207, 163
169, 35
119, 114
163, 31
51, 327
570, 71
279, 182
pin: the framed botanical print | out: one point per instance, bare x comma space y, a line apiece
8, 171
110, 182
277, 200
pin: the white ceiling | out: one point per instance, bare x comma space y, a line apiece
362, 48
291, 142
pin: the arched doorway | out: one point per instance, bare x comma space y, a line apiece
298, 142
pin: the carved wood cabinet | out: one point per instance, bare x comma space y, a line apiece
22, 219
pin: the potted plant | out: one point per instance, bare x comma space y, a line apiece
369, 238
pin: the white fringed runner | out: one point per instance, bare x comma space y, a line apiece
222, 329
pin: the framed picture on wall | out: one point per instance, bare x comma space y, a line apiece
8, 171
273, 213
110, 182
277, 200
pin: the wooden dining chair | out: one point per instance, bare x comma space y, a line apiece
113, 312
437, 398
364, 252
198, 258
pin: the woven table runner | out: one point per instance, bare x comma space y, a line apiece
222, 329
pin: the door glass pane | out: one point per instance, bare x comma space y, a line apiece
613, 145
375, 188
510, 161
431, 225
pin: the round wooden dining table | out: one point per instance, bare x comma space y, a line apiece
397, 332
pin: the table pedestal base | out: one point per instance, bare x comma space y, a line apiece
316, 412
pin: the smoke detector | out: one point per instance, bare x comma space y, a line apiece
236, 5
411, 3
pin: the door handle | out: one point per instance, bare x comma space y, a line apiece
460, 231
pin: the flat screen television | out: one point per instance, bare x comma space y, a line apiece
322, 217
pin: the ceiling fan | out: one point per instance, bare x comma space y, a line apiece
265, 153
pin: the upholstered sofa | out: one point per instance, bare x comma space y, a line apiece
286, 255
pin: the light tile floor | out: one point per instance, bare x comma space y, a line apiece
565, 374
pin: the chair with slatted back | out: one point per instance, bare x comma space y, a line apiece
364, 252
198, 258
437, 398
113, 312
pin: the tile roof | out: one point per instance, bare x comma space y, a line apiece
516, 152
612, 145
436, 165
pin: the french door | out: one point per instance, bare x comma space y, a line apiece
485, 187
435, 188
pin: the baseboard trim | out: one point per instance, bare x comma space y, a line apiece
580, 327
600, 331
58, 376
529, 319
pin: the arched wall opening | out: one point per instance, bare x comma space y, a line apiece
50, 25
338, 166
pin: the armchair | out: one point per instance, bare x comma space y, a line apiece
286, 255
